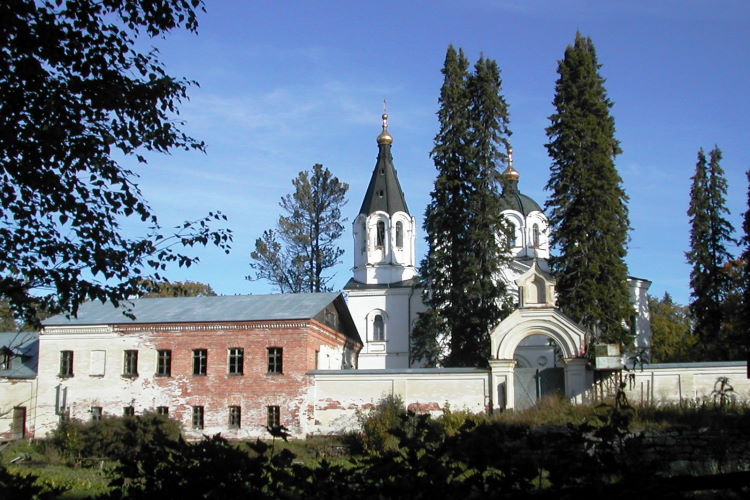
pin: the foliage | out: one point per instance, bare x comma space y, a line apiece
673, 340
743, 322
83, 103
710, 233
376, 424
178, 289
587, 208
459, 274
113, 438
295, 255
20, 487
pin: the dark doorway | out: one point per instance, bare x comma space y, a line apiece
18, 427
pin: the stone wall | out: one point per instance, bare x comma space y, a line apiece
338, 395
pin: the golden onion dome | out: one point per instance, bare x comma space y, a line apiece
510, 172
385, 136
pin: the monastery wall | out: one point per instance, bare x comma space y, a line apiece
339, 395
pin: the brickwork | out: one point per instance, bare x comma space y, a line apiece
253, 391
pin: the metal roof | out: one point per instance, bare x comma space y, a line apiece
24, 350
200, 309
513, 199
384, 191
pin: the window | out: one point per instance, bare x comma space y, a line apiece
399, 234
274, 416
535, 235
164, 363
380, 234
130, 364
235, 417
197, 417
5, 361
66, 363
275, 360
162, 410
96, 413
512, 242
378, 329
236, 360
364, 237
200, 361
128, 411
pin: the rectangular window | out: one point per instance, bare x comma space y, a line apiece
274, 416
197, 417
96, 413
130, 364
162, 410
200, 361
235, 417
275, 355
236, 360
66, 363
128, 411
5, 361
164, 363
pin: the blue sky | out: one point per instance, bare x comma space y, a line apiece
284, 85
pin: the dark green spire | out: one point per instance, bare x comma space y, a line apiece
384, 192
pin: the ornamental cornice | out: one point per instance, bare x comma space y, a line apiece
208, 327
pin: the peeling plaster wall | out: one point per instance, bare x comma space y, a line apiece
17, 393
681, 382
338, 395
253, 391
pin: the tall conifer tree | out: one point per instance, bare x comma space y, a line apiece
709, 234
459, 273
587, 207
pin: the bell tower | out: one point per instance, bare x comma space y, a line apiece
384, 231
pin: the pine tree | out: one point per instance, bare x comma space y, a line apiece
745, 315
587, 207
308, 234
709, 234
465, 300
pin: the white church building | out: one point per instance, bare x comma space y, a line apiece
384, 295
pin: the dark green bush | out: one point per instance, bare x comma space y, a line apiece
112, 438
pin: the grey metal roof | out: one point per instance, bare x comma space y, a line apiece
200, 309
513, 199
24, 350
353, 284
384, 191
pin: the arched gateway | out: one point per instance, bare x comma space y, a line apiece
537, 315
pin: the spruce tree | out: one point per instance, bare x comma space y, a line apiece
709, 234
459, 273
587, 208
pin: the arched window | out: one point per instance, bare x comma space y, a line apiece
363, 237
380, 234
512, 235
378, 328
535, 239
399, 234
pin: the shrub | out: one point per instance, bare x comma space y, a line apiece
112, 438
376, 424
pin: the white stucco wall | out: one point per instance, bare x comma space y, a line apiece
17, 393
338, 395
399, 308
685, 382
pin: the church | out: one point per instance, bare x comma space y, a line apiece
385, 297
